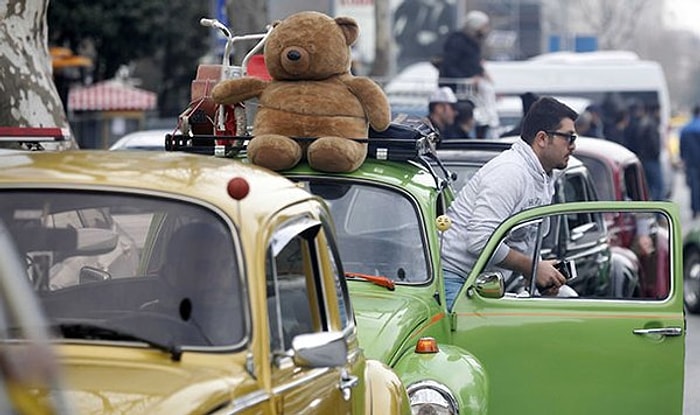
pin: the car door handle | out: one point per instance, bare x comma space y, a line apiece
663, 331
347, 382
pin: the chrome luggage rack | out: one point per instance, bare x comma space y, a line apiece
399, 143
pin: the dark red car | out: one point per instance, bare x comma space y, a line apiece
618, 175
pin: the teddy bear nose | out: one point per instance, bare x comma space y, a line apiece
293, 55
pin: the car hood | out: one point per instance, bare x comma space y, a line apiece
148, 382
386, 319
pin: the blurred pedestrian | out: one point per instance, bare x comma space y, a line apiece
643, 138
595, 128
441, 109
690, 154
462, 54
463, 126
461, 68
584, 124
527, 100
615, 131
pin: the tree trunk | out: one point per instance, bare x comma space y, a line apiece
383, 52
29, 95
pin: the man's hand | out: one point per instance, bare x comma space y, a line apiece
549, 279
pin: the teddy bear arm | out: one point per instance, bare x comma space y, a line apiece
233, 91
373, 100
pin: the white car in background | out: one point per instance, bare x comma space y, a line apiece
153, 140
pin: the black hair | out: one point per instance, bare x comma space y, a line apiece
546, 114
696, 111
465, 111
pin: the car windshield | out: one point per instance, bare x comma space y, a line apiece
378, 230
124, 267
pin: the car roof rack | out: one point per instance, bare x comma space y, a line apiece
32, 138
399, 142
475, 144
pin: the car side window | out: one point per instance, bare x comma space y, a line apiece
597, 270
601, 175
294, 289
340, 284
632, 178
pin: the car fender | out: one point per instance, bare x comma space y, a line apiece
454, 368
385, 392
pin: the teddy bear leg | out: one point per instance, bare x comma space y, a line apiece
275, 152
336, 154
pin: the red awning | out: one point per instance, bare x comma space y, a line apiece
110, 96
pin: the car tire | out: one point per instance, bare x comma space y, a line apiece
691, 281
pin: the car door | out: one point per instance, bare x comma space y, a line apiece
298, 256
580, 355
579, 238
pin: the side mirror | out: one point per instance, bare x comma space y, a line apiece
490, 285
326, 349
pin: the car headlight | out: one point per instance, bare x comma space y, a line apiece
431, 398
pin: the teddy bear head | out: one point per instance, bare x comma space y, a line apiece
310, 46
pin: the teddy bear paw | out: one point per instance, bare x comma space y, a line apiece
275, 152
336, 154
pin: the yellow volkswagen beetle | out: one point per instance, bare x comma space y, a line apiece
179, 284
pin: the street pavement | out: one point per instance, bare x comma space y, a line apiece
691, 399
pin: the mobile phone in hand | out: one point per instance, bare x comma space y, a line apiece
567, 269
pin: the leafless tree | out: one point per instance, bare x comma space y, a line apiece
29, 95
383, 39
615, 22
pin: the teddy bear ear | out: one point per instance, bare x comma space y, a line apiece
350, 28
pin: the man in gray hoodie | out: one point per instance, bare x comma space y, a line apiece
519, 178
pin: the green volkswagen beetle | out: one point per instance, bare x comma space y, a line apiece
493, 352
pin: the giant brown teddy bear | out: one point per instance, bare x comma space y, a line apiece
312, 94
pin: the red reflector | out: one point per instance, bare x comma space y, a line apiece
426, 345
238, 188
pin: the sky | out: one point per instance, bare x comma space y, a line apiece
684, 14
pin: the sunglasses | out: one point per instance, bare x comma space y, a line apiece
568, 137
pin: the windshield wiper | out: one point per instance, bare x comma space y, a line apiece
380, 280
97, 332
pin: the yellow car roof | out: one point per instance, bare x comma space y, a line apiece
188, 175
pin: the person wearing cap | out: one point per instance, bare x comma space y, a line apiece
462, 54
461, 68
519, 178
441, 109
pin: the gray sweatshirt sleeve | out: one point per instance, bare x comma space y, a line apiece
501, 191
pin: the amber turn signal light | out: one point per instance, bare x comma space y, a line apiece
426, 345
